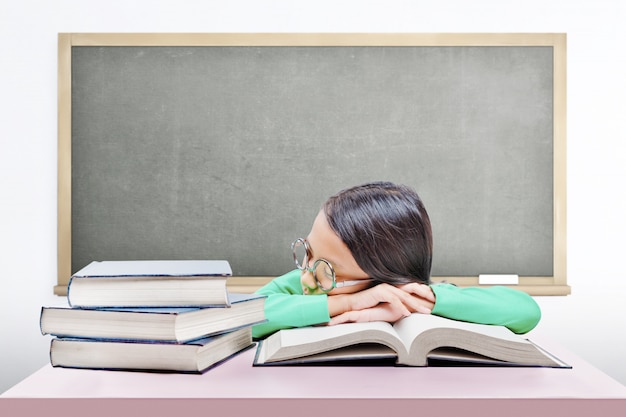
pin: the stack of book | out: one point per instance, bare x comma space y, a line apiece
168, 316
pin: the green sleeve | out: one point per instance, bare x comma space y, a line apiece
287, 307
490, 305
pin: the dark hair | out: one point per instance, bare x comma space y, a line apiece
387, 229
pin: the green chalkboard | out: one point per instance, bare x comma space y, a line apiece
228, 151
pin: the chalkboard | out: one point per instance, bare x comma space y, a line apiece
228, 151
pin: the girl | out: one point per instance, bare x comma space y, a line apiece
368, 258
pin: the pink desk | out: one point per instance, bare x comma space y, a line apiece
236, 388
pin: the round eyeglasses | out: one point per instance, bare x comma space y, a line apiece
322, 270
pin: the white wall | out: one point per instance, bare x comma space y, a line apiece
596, 138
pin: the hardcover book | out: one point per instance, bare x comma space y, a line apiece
150, 284
416, 340
193, 357
165, 324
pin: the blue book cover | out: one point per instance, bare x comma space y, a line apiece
163, 324
150, 283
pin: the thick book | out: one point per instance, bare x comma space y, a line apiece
158, 283
416, 340
165, 324
193, 357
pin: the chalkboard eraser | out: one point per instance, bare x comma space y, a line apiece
498, 279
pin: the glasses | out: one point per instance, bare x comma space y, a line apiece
322, 270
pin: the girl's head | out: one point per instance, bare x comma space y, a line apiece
377, 230
386, 228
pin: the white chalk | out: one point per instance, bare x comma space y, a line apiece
498, 279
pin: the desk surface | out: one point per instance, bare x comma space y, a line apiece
237, 380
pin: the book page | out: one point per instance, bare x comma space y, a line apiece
428, 332
409, 327
292, 343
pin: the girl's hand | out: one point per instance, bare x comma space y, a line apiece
381, 312
383, 302
423, 295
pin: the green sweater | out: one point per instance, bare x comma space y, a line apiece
286, 306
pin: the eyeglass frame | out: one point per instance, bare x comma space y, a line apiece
307, 255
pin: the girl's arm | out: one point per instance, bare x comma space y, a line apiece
287, 307
498, 305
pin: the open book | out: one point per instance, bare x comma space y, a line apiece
412, 341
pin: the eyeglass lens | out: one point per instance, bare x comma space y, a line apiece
300, 253
322, 270
324, 274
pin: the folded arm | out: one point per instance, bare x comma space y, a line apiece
497, 305
287, 307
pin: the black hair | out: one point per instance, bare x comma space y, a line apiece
387, 230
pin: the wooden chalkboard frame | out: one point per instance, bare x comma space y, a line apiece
544, 285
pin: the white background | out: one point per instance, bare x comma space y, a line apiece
590, 322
